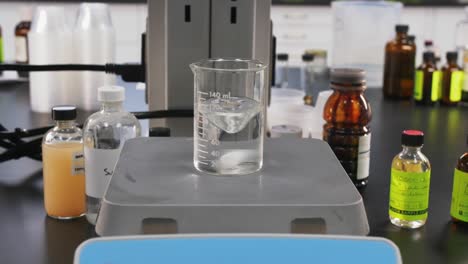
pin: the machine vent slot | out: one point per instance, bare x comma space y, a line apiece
233, 15
187, 14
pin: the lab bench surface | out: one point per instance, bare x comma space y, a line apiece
28, 236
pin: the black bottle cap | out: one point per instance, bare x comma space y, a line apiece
160, 132
411, 38
282, 56
400, 28
428, 56
428, 43
452, 56
64, 112
412, 138
307, 57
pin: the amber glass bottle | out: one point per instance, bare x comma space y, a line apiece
21, 44
399, 65
459, 207
347, 114
452, 80
427, 84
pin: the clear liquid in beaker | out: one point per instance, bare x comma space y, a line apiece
229, 135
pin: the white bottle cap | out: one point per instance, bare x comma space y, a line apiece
111, 94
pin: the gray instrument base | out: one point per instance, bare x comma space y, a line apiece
302, 188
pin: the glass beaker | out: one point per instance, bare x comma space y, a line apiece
229, 112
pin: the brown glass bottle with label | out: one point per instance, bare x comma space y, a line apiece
347, 114
427, 84
399, 66
1, 49
459, 206
452, 80
21, 44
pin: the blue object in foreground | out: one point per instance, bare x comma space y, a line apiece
247, 248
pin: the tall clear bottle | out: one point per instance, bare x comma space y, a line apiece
461, 42
409, 185
105, 133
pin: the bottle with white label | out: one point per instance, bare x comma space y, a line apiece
63, 170
21, 38
347, 114
105, 133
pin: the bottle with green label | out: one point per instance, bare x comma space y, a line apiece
452, 80
459, 207
409, 184
427, 82
1, 48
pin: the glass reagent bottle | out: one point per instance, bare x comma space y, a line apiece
105, 133
409, 185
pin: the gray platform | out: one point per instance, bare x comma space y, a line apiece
302, 188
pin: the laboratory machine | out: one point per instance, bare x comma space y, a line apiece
221, 28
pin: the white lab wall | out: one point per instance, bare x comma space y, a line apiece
300, 28
297, 28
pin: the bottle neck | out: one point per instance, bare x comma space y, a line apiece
452, 63
65, 124
401, 36
112, 106
430, 63
411, 149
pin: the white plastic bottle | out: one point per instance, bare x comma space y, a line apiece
94, 43
104, 135
50, 43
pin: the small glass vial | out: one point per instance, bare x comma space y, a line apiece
21, 38
282, 70
459, 207
105, 133
409, 185
62, 158
347, 114
428, 81
308, 78
452, 80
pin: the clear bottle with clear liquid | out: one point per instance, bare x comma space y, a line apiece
282, 70
409, 184
105, 133
461, 42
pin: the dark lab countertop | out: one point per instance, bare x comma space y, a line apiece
28, 236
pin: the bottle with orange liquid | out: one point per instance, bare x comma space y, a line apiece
62, 158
